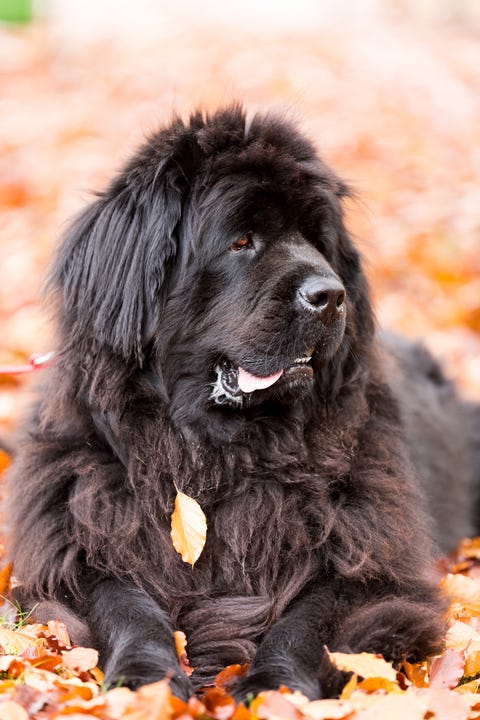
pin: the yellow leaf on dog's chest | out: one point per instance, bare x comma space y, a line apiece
189, 528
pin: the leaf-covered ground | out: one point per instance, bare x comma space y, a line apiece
391, 94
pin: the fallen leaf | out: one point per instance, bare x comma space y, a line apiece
117, 701
241, 713
152, 702
417, 673
10, 710
446, 705
328, 709
59, 630
374, 684
5, 575
189, 528
364, 664
446, 670
469, 549
272, 705
16, 643
407, 706
350, 687
218, 704
180, 642
180, 646
460, 635
464, 591
80, 659
4, 460
229, 675
470, 687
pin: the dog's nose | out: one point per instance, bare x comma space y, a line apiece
325, 296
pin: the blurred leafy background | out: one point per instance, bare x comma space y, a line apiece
388, 89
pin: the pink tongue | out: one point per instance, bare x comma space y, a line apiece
249, 383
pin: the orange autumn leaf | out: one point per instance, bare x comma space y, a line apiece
416, 673
5, 575
189, 528
218, 703
374, 684
4, 460
229, 675
469, 549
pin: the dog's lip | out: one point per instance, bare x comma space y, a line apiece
238, 380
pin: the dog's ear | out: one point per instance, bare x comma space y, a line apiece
110, 272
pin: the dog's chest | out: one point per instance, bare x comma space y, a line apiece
261, 534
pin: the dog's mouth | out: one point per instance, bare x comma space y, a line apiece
236, 386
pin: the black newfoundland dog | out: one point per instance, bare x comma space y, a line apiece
215, 334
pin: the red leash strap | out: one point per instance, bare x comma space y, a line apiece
35, 362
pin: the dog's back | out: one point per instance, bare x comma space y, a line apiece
443, 441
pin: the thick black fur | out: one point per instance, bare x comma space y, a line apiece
314, 490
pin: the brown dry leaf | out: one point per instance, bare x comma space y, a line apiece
80, 659
416, 673
229, 675
364, 664
218, 704
189, 528
59, 630
446, 670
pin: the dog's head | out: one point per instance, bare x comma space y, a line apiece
218, 261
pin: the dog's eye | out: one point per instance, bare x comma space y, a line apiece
245, 243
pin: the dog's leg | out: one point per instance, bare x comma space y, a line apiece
135, 637
398, 627
293, 651
342, 616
